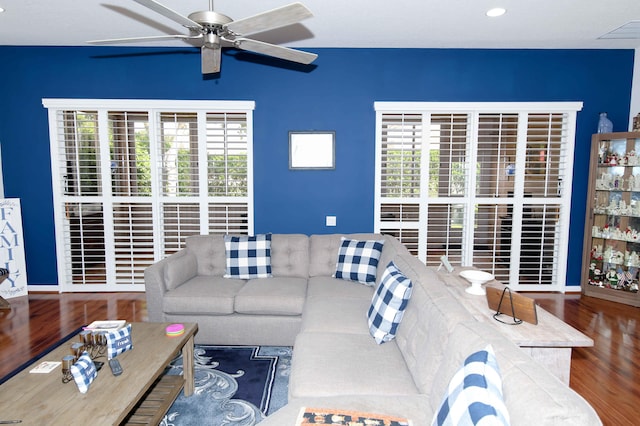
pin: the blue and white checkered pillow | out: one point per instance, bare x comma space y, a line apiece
474, 396
358, 260
388, 304
119, 341
248, 257
83, 372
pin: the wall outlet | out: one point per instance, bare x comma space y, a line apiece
331, 221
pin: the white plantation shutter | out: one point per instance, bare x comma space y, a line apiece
178, 157
400, 157
448, 154
228, 218
130, 154
178, 221
227, 154
133, 179
84, 242
133, 241
486, 184
79, 154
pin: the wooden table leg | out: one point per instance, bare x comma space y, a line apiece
188, 367
4, 304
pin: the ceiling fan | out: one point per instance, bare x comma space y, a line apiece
210, 28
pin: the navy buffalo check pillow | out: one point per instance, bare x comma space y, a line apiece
84, 372
358, 260
248, 257
119, 341
474, 395
388, 304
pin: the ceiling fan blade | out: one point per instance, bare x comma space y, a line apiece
150, 38
171, 14
210, 59
279, 17
275, 51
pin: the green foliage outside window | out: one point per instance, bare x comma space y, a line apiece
84, 180
227, 178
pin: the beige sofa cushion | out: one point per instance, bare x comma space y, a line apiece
326, 364
203, 295
272, 296
337, 288
336, 315
180, 270
290, 255
323, 251
391, 250
428, 320
210, 253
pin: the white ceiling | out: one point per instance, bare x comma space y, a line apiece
350, 23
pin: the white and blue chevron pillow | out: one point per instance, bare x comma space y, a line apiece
84, 372
248, 256
474, 395
358, 260
388, 304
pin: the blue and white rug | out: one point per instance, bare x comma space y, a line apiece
234, 385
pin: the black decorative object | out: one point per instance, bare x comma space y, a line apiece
516, 321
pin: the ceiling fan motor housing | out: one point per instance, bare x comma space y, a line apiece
213, 24
209, 18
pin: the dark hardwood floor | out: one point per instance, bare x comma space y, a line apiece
39, 320
607, 375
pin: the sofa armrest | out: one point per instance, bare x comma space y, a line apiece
165, 275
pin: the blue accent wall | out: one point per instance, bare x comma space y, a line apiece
337, 93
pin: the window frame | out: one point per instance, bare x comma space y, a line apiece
211, 213
419, 203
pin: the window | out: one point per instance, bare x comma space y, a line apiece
486, 184
133, 179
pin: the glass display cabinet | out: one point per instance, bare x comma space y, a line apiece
611, 258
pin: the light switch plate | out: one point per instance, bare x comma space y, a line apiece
331, 221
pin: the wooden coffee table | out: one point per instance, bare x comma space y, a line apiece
138, 394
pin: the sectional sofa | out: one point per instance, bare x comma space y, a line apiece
310, 297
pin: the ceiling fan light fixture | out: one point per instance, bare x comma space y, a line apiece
496, 11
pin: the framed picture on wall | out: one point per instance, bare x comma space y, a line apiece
312, 150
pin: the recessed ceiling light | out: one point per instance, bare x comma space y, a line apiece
1, 10
496, 11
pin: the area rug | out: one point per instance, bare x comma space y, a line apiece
234, 385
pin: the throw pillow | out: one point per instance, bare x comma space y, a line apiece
84, 372
474, 395
358, 260
119, 341
388, 304
248, 257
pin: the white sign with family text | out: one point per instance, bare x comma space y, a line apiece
12, 249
